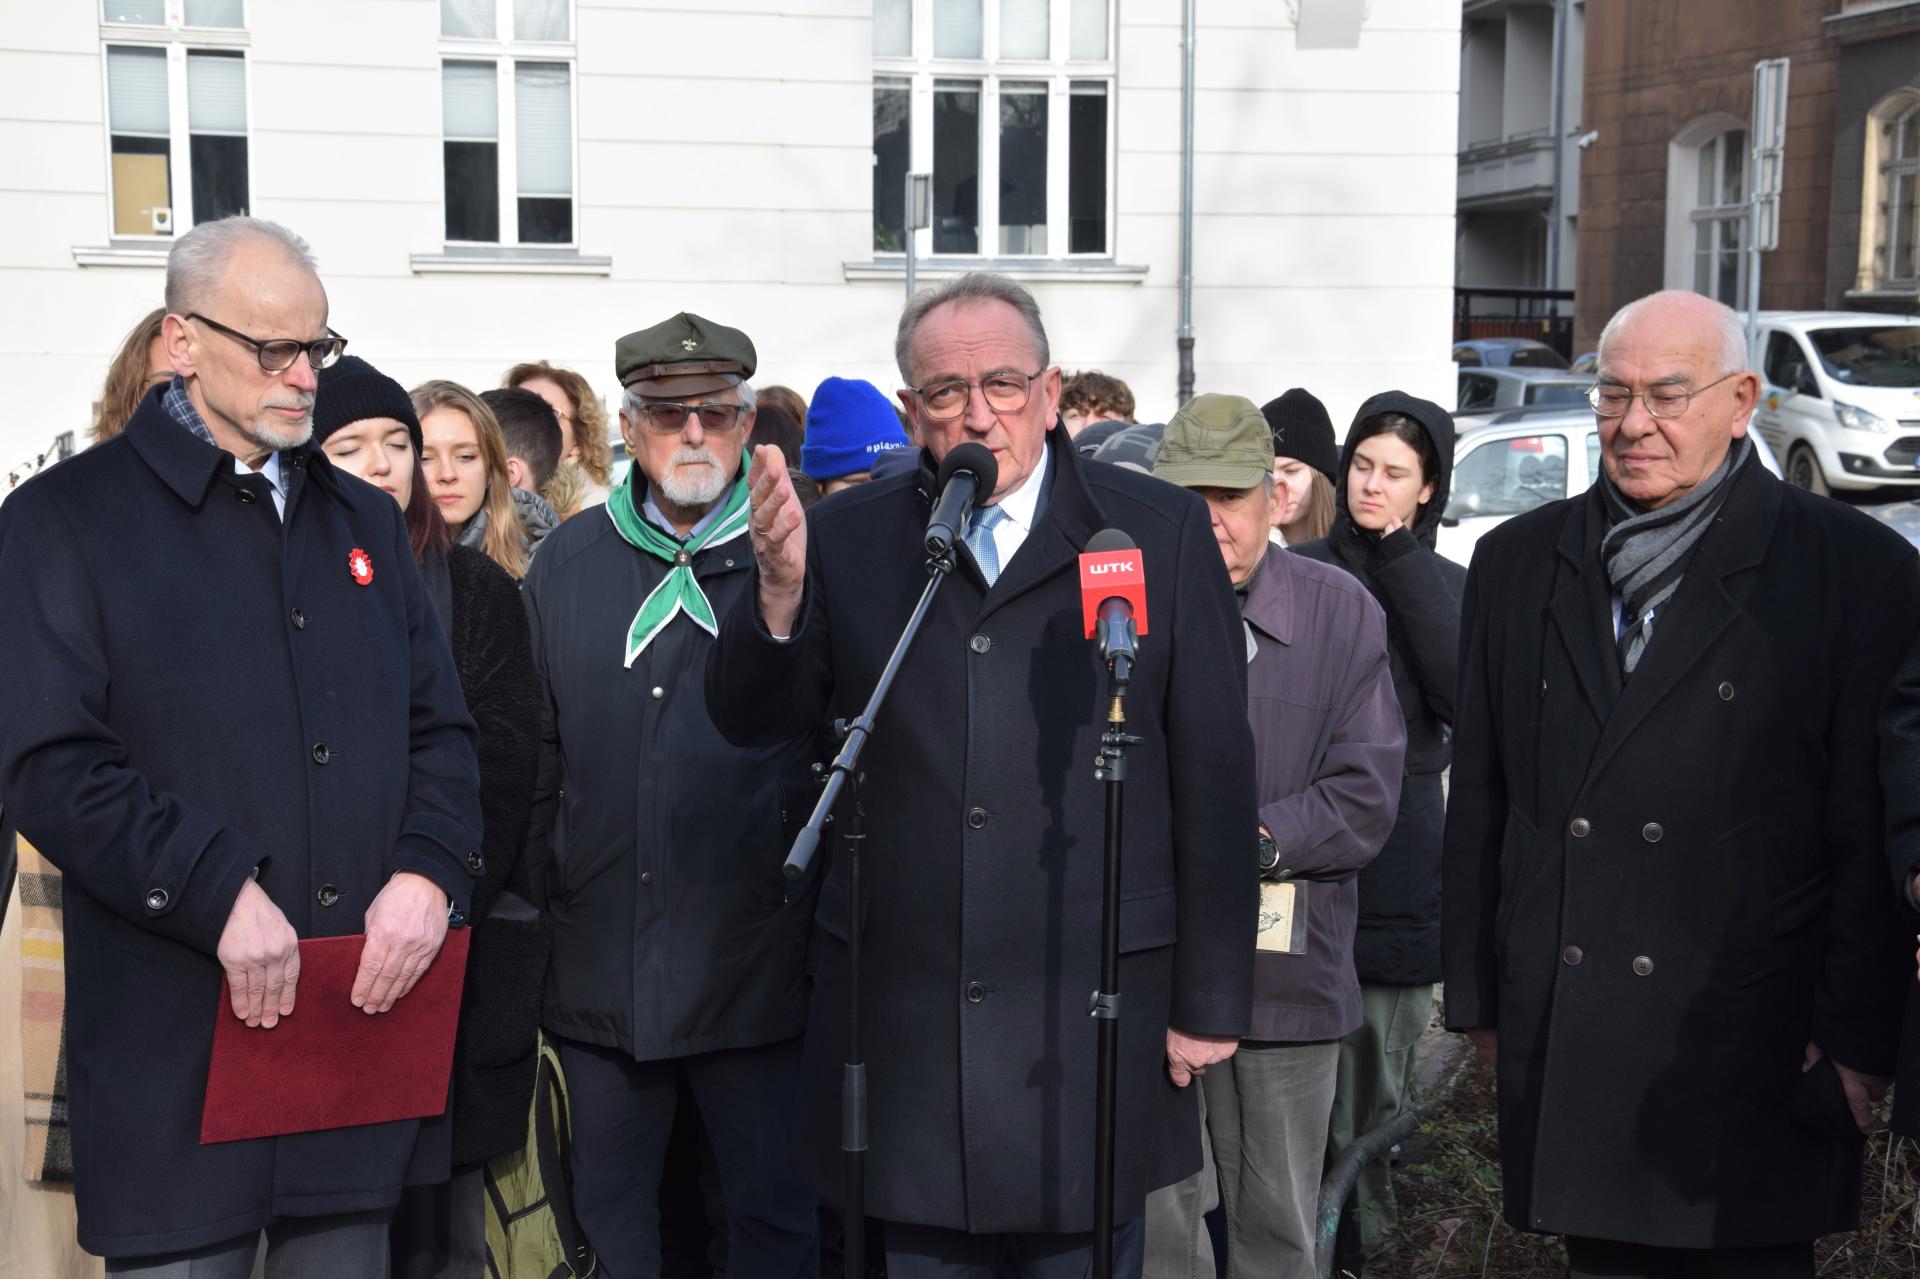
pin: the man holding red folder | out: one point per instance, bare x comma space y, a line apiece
232, 720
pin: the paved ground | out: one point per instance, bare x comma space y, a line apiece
1902, 513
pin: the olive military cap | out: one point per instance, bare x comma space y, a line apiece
686, 355
1216, 441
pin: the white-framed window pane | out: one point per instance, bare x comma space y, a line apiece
142, 157
1907, 136
223, 14
893, 28
1089, 31
469, 19
1087, 167
1023, 166
1024, 29
135, 13
540, 19
216, 93
957, 29
1906, 226
1733, 167
543, 145
956, 166
137, 91
470, 101
1706, 189
892, 147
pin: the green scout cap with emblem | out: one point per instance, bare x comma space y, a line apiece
686, 355
1216, 441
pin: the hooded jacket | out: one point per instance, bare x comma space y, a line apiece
1398, 940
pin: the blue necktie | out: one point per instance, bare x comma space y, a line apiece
980, 541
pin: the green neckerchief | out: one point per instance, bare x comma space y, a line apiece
679, 591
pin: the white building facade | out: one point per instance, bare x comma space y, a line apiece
490, 181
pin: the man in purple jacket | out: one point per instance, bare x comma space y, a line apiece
1328, 740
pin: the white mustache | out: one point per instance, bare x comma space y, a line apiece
687, 455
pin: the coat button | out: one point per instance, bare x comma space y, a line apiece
245, 495
646, 877
327, 895
1726, 691
1651, 832
975, 992
157, 899
658, 692
299, 620
320, 753
1580, 828
979, 643
1642, 965
976, 817
475, 862
1573, 955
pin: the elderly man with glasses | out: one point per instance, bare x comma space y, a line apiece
1667, 915
985, 817
679, 948
231, 719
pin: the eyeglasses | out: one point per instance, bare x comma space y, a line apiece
669, 418
276, 355
1610, 399
1005, 393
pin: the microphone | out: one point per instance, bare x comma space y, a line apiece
966, 473
1113, 596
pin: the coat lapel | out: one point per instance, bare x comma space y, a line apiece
1582, 611
1069, 518
1708, 602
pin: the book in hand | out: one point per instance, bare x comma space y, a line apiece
329, 1064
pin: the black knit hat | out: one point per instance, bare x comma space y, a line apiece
1302, 429
351, 390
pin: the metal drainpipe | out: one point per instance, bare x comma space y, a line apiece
1558, 117
1186, 202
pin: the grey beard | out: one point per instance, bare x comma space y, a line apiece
265, 432
697, 489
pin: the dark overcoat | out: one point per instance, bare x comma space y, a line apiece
1660, 893
195, 690
984, 857
657, 844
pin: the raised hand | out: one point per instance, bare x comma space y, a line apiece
779, 530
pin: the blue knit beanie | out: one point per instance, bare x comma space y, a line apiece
848, 424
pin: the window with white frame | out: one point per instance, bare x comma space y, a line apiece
1897, 250
176, 106
507, 112
1008, 104
1719, 217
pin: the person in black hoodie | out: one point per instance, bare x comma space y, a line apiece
365, 423
1395, 470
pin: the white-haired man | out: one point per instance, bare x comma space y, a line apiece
1667, 913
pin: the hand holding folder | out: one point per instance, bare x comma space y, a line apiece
330, 1065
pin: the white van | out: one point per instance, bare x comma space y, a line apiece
1840, 397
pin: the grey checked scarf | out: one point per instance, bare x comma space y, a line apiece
1645, 553
181, 410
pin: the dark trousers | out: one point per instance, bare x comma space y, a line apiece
1605, 1259
930, 1252
346, 1246
622, 1117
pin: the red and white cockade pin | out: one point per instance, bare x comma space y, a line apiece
360, 566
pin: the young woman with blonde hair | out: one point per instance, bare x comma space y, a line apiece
583, 425
140, 365
465, 461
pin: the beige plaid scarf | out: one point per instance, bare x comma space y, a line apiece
43, 1001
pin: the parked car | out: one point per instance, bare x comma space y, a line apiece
1505, 464
1588, 362
1482, 389
1840, 397
1505, 353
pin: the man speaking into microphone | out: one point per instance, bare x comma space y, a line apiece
983, 864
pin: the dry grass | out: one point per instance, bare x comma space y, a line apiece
1448, 1186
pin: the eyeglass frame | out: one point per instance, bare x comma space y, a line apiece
971, 387
1593, 397
692, 411
260, 346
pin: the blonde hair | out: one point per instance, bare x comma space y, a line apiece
126, 383
1316, 519
589, 415
567, 489
505, 542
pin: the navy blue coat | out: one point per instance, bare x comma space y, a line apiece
194, 690
984, 860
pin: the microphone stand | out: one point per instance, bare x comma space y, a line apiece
1104, 1006
843, 775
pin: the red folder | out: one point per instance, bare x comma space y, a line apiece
329, 1064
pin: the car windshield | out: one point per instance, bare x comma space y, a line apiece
1880, 356
1537, 357
1557, 393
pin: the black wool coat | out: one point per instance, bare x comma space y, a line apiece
1397, 940
196, 689
655, 844
1660, 893
984, 854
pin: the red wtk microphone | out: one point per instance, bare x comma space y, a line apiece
1113, 593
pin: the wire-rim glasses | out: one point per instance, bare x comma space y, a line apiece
945, 400
1610, 399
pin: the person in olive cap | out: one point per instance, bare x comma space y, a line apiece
678, 948
1306, 465
1328, 741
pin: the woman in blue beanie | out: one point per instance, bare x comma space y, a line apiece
849, 424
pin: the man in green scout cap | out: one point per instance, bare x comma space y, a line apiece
1328, 742
678, 950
